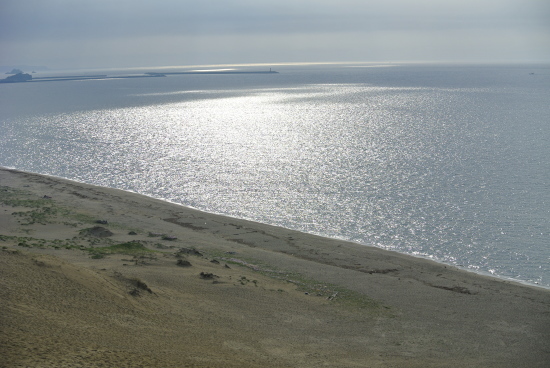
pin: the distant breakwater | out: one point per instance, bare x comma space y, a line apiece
216, 72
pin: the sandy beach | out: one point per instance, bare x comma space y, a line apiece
98, 277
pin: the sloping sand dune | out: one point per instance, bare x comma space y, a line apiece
96, 277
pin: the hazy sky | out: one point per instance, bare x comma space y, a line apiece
119, 33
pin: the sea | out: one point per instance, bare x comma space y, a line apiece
449, 162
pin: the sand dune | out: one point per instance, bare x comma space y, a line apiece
96, 277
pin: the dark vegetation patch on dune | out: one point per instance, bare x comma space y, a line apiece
130, 248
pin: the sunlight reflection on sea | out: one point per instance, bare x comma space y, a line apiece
422, 170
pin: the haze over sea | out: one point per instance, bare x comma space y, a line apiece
449, 162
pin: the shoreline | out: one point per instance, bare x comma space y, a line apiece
426, 258
259, 295
336, 239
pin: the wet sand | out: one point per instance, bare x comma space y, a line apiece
97, 277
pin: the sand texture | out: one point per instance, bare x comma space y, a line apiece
96, 277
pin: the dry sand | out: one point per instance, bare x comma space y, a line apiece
268, 296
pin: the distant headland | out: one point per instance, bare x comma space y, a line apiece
18, 76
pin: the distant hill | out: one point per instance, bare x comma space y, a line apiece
15, 71
8, 69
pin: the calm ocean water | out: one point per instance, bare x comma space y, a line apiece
449, 162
